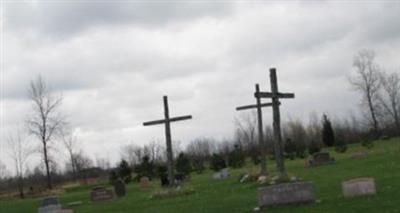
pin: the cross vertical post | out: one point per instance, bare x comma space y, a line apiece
167, 121
170, 155
277, 124
275, 95
261, 141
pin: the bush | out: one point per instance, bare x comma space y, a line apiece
124, 171
198, 166
367, 143
341, 145
314, 147
183, 164
236, 157
217, 162
145, 168
290, 149
113, 177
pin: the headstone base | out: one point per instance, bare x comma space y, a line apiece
286, 194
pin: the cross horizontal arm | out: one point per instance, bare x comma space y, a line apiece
252, 106
180, 118
271, 95
149, 123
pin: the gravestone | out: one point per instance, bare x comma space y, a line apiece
99, 194
359, 187
222, 175
119, 188
320, 158
145, 182
286, 193
359, 155
49, 205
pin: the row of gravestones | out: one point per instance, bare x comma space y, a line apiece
98, 194
303, 192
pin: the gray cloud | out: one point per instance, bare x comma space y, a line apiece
114, 62
63, 18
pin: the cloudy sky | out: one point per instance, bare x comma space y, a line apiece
113, 62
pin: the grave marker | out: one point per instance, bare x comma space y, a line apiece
99, 194
286, 193
144, 182
359, 187
320, 158
167, 121
120, 188
49, 205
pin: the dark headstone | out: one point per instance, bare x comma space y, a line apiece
119, 188
359, 187
286, 193
49, 205
320, 158
164, 180
222, 175
101, 194
145, 182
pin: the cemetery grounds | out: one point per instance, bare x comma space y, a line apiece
382, 163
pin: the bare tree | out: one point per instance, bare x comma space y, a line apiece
103, 163
82, 161
19, 152
367, 81
390, 98
70, 142
128, 153
3, 171
246, 128
45, 121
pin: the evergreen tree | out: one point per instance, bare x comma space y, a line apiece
124, 171
314, 147
145, 168
217, 162
328, 137
183, 164
236, 157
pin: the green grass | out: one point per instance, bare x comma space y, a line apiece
383, 163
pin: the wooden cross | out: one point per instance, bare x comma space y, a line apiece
275, 95
167, 120
261, 142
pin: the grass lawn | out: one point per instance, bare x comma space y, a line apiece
383, 163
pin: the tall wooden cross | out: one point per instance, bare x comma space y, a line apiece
276, 95
167, 121
261, 142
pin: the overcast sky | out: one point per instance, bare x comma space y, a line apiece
113, 62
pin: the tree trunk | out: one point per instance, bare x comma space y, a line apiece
46, 162
373, 115
21, 187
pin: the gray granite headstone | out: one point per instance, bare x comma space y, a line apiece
221, 175
119, 188
320, 158
99, 194
286, 193
49, 205
359, 187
